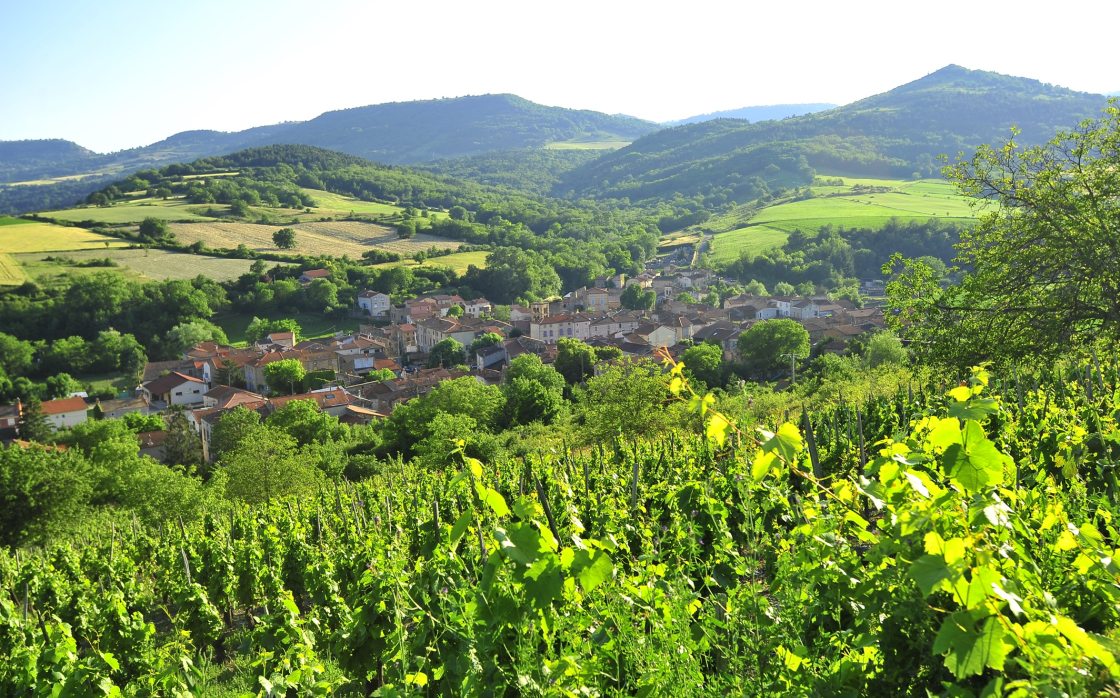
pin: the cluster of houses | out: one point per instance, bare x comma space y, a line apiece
210, 379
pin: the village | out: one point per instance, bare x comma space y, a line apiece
210, 379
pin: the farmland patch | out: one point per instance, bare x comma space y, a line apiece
320, 238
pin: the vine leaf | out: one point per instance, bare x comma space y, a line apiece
975, 463
930, 573
977, 409
592, 568
968, 651
460, 527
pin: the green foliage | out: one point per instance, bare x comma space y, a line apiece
230, 431
306, 423
626, 398
705, 363
533, 392
265, 466
33, 423
1035, 279
140, 422
447, 353
185, 336
634, 297
285, 238
42, 494
764, 343
260, 328
285, 377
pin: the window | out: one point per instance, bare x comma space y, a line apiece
179, 393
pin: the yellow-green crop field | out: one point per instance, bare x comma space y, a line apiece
151, 263
10, 272
458, 261
756, 239
35, 236
177, 209
329, 204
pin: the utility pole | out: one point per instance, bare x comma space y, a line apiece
793, 365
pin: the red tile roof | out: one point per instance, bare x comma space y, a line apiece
70, 404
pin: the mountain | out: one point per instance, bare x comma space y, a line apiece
410, 132
891, 134
394, 133
771, 112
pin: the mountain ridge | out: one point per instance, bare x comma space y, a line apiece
766, 112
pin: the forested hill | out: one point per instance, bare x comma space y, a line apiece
20, 156
891, 134
411, 132
760, 113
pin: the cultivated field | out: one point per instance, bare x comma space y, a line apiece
328, 204
726, 247
136, 211
10, 272
152, 263
19, 235
321, 238
458, 261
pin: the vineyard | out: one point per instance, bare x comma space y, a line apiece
954, 539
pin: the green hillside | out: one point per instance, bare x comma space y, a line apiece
893, 134
408, 132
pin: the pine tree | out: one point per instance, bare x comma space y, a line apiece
34, 425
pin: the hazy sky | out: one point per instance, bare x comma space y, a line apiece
115, 74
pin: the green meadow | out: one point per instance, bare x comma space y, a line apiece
755, 239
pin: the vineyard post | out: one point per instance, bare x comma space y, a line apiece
634, 486
1097, 365
186, 565
859, 426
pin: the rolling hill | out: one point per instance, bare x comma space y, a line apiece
770, 112
892, 134
394, 133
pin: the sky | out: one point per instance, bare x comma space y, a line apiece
117, 74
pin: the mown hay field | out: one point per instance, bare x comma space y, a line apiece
136, 211
10, 272
19, 235
320, 238
152, 263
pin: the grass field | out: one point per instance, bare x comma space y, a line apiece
311, 325
329, 237
152, 263
328, 204
587, 145
34, 236
136, 211
726, 247
10, 272
458, 261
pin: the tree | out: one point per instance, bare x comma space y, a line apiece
230, 373
756, 288
712, 299
140, 422
487, 340
155, 230
628, 397
185, 336
62, 385
406, 229
783, 289
306, 423
231, 430
575, 361
15, 355
284, 376
685, 297
1040, 265
239, 208
285, 238
885, 348
182, 445
805, 289
534, 392
445, 353
260, 328
411, 422
264, 466
33, 423
455, 311
43, 494
705, 363
634, 297
764, 343
321, 295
